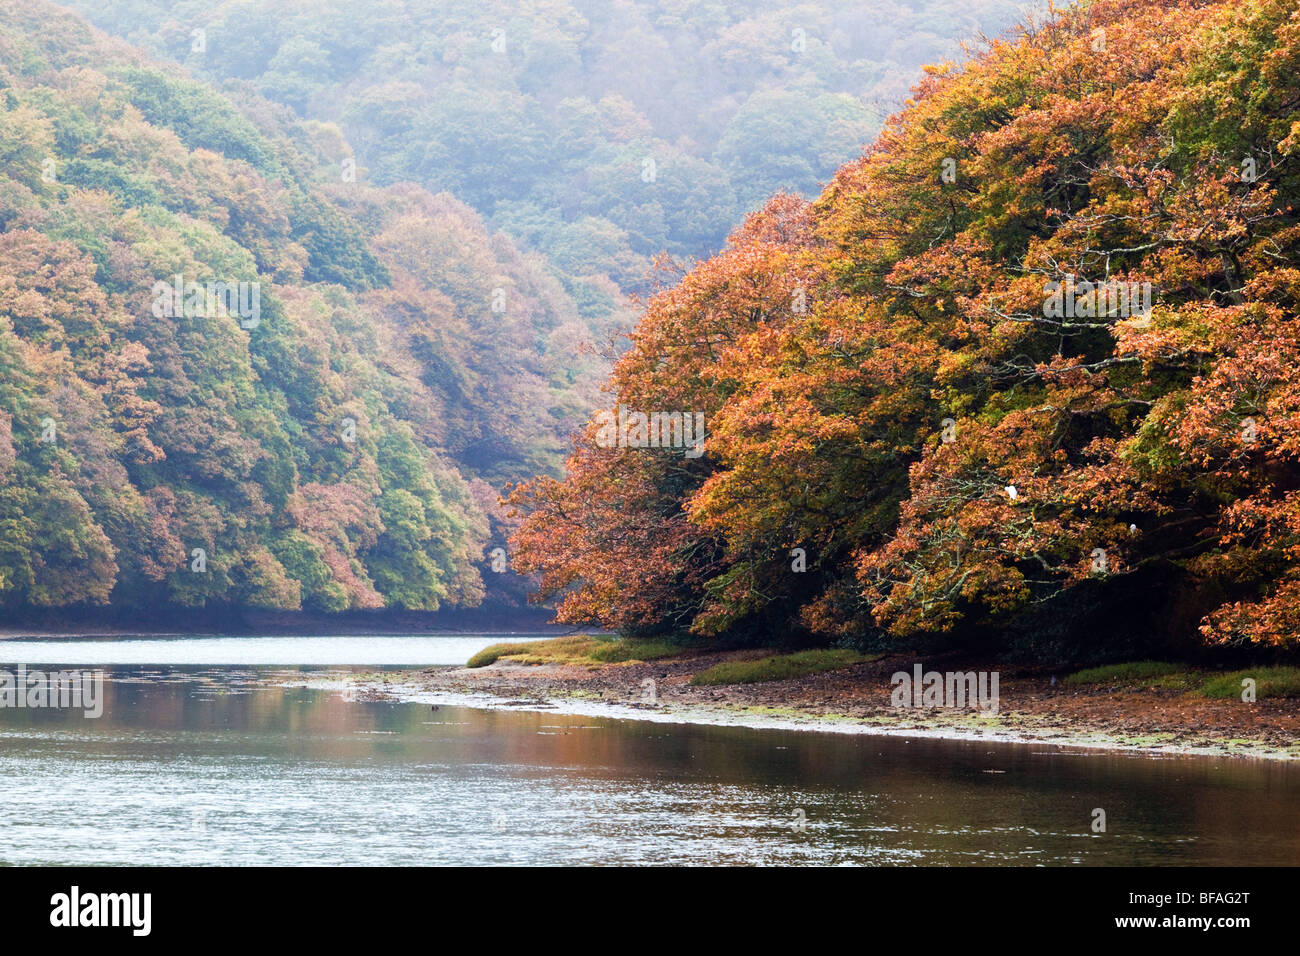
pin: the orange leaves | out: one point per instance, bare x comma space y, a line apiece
613, 541
884, 428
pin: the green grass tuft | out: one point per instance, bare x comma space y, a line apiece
1269, 682
490, 655
616, 652
780, 667
577, 649
1125, 673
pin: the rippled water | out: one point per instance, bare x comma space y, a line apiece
205, 765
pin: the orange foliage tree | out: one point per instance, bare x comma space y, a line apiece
1048, 352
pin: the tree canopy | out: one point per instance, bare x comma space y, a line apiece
340, 448
929, 408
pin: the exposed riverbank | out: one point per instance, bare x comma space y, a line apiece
1148, 717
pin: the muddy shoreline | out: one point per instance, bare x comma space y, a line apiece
1032, 708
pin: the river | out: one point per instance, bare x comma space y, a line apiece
211, 751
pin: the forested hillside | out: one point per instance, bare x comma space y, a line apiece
332, 436
600, 133
937, 399
265, 340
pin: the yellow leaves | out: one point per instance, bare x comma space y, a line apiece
26, 143
1291, 143
953, 366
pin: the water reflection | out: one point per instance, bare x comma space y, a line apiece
209, 766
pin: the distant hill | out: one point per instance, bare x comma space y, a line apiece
321, 419
600, 132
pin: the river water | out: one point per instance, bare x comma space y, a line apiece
196, 760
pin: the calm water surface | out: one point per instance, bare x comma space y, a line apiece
200, 764
381, 651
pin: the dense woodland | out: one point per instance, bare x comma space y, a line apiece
444, 206
348, 451
905, 440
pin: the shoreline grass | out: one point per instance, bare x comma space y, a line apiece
578, 649
780, 667
1270, 682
